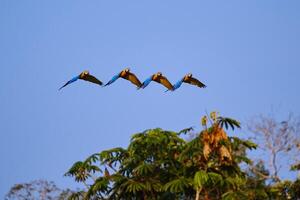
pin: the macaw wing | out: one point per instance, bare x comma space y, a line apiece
113, 79
133, 79
196, 82
92, 79
178, 84
146, 82
69, 82
164, 81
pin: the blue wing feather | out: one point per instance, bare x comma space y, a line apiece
114, 78
177, 85
74, 79
70, 81
146, 82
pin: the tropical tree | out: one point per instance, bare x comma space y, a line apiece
159, 164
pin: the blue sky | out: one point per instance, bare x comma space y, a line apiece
246, 52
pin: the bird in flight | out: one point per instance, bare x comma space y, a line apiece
126, 74
190, 80
159, 78
85, 75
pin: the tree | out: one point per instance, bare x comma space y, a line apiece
159, 164
37, 190
276, 138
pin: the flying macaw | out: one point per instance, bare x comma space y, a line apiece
85, 75
126, 74
159, 78
189, 79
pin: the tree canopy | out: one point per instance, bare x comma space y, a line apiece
163, 164
160, 164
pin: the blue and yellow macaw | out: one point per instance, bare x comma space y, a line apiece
190, 80
159, 78
126, 74
85, 75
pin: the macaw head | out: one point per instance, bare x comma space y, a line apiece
159, 74
190, 75
127, 70
84, 73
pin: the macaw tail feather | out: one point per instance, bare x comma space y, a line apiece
146, 82
69, 82
169, 90
114, 78
177, 85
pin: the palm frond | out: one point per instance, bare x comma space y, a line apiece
178, 185
200, 179
225, 121
185, 131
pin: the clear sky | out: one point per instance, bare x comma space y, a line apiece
246, 52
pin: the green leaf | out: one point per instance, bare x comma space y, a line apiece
144, 169
177, 185
234, 195
250, 145
100, 186
133, 186
200, 179
243, 158
92, 159
215, 178
228, 121
185, 131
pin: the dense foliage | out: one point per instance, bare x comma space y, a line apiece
160, 164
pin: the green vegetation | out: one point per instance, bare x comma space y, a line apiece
160, 164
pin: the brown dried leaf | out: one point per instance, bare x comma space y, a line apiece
206, 150
224, 154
